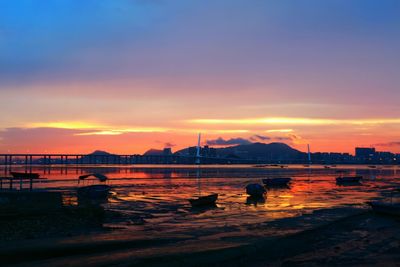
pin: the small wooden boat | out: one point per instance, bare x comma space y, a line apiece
101, 177
271, 182
24, 175
327, 167
348, 179
385, 208
372, 166
204, 201
255, 190
98, 191
260, 166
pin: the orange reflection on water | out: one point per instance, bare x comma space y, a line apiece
157, 197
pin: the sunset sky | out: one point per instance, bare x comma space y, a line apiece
129, 75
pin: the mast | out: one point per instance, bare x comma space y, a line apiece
198, 150
309, 154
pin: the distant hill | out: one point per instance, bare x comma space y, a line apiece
100, 153
153, 152
253, 151
97, 157
271, 151
261, 151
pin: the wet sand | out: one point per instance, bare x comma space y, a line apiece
148, 221
361, 238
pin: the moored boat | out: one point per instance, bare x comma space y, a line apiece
24, 175
260, 165
270, 182
348, 179
98, 191
204, 201
385, 208
255, 190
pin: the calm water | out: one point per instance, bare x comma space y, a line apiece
155, 198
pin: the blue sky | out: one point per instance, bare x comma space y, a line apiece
332, 59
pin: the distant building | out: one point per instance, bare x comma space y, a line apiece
205, 151
365, 153
167, 151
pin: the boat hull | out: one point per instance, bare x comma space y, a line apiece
385, 208
276, 182
255, 190
348, 180
204, 201
94, 191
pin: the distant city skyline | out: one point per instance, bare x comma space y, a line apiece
128, 75
249, 153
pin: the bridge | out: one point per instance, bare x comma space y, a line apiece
111, 159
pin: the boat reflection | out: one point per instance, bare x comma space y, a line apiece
255, 200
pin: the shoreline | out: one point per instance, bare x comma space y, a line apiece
333, 242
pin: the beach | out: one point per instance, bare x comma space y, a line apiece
360, 239
148, 221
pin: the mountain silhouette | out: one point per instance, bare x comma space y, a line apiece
271, 151
153, 152
261, 151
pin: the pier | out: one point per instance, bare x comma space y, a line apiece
93, 159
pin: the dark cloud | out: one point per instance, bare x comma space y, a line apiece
254, 138
290, 138
283, 138
169, 144
233, 141
258, 137
389, 144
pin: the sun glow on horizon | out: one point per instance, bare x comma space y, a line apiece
295, 121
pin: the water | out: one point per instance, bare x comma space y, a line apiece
154, 198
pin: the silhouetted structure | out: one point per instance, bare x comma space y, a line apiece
256, 153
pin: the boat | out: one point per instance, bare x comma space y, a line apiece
385, 208
348, 179
327, 167
255, 190
94, 191
101, 177
255, 200
97, 191
204, 201
372, 166
271, 182
201, 201
24, 175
